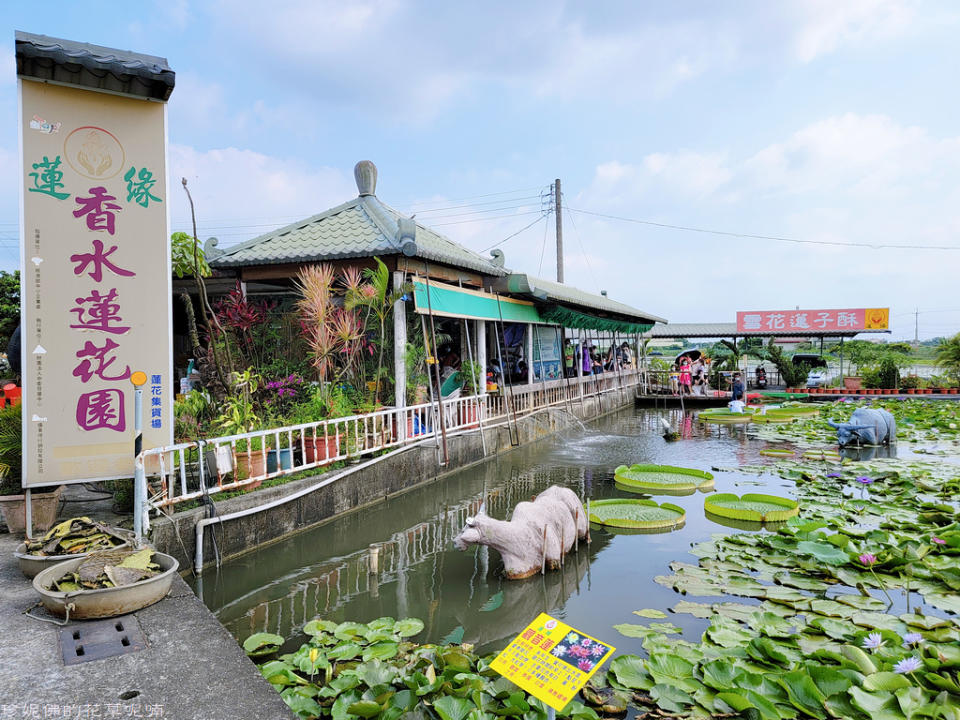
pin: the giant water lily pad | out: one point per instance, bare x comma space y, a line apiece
631, 513
769, 418
777, 452
662, 478
754, 507
798, 410
726, 417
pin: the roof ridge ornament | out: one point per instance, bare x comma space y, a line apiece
498, 258
407, 235
365, 173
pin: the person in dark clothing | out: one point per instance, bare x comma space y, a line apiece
13, 351
737, 387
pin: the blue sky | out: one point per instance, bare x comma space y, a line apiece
816, 120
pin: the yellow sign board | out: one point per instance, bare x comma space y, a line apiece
551, 660
877, 318
95, 267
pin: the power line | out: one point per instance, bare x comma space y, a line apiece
470, 205
481, 212
874, 246
475, 197
543, 247
525, 227
583, 251
493, 217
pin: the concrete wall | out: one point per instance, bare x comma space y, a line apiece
354, 487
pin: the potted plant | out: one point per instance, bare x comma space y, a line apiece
237, 418
318, 444
471, 374
13, 502
852, 382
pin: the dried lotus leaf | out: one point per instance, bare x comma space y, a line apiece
120, 575
140, 559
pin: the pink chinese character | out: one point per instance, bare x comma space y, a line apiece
101, 314
775, 321
101, 409
98, 209
96, 362
823, 319
99, 259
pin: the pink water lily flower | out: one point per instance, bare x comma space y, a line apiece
937, 541
868, 559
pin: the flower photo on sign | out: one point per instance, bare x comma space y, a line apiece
580, 652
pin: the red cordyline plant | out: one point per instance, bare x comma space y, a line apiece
334, 333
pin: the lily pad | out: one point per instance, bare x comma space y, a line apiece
726, 417
630, 513
751, 506
653, 478
777, 452
262, 643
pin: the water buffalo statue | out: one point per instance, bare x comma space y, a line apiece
867, 426
539, 534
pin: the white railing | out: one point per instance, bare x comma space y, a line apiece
187, 471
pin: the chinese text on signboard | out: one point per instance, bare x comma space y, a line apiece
551, 660
95, 286
848, 320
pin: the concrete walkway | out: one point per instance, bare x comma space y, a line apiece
191, 669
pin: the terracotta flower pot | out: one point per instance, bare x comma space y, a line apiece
44, 510
252, 465
468, 416
953, 391
318, 449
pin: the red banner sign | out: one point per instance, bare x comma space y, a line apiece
847, 320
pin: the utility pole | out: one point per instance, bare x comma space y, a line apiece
558, 219
916, 327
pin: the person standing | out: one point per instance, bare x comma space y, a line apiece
568, 358
685, 379
737, 393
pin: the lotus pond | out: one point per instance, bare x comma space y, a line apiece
846, 610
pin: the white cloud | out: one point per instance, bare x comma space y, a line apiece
845, 179
240, 193
823, 26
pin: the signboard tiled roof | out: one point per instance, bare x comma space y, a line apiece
92, 66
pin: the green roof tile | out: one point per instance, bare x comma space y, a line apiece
362, 227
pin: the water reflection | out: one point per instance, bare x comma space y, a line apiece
397, 558
868, 452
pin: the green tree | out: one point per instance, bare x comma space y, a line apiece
947, 356
859, 352
9, 305
793, 374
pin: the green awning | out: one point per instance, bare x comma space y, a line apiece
450, 301
568, 317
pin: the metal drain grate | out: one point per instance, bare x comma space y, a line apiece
101, 639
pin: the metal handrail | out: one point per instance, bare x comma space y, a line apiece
189, 470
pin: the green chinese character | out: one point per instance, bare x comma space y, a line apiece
47, 179
139, 186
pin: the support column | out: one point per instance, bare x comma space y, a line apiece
481, 345
529, 354
399, 345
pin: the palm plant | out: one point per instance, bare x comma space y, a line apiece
375, 295
11, 449
947, 356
